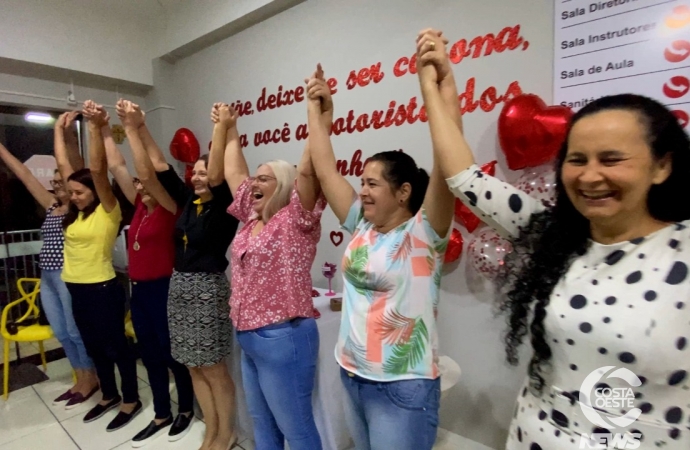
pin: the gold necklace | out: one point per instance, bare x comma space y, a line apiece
136, 245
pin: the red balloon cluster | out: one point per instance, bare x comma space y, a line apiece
184, 147
531, 133
454, 249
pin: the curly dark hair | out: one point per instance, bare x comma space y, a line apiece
547, 245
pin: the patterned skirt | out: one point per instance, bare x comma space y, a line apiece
199, 318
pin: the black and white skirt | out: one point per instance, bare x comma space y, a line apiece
199, 318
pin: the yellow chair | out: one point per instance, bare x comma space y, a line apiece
29, 333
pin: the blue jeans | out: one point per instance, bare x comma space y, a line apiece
400, 415
278, 371
57, 304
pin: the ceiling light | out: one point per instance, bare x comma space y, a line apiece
35, 117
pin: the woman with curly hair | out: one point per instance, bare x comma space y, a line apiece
600, 280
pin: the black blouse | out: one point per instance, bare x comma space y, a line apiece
201, 241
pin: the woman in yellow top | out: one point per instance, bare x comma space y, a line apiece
98, 300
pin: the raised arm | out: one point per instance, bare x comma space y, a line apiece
338, 191
226, 136
155, 154
216, 157
60, 151
98, 118
498, 204
451, 151
41, 194
71, 142
308, 186
117, 165
133, 121
438, 201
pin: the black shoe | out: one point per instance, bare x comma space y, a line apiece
181, 426
98, 410
123, 419
151, 432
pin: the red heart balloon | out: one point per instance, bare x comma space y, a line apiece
463, 213
188, 174
454, 249
184, 147
530, 132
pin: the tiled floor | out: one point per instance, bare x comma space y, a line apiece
28, 420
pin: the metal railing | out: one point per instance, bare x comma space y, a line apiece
18, 259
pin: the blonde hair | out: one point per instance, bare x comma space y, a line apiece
285, 174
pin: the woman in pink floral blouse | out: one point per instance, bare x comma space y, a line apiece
271, 304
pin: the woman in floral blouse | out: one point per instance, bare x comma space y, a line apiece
271, 302
388, 343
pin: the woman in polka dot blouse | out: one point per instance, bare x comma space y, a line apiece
600, 280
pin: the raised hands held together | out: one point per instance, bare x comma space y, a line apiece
319, 97
224, 114
95, 114
130, 114
432, 59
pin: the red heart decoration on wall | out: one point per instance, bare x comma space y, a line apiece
531, 133
336, 238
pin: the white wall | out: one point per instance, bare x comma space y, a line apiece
347, 36
75, 35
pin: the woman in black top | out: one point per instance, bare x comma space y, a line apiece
198, 309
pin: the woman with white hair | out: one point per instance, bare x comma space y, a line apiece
271, 304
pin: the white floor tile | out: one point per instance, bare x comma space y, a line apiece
93, 436
52, 437
445, 440
23, 414
51, 344
248, 444
49, 390
192, 440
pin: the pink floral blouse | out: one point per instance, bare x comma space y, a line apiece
271, 272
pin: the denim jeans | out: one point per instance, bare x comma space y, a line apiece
57, 304
400, 415
278, 371
149, 306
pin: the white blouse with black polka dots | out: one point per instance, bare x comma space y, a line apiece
624, 305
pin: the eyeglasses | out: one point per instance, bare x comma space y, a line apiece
264, 179
56, 184
136, 181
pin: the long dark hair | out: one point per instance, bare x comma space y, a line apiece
82, 176
551, 240
400, 168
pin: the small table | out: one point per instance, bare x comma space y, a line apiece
328, 396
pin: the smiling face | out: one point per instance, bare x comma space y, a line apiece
379, 200
143, 193
80, 194
263, 187
200, 179
60, 189
609, 168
